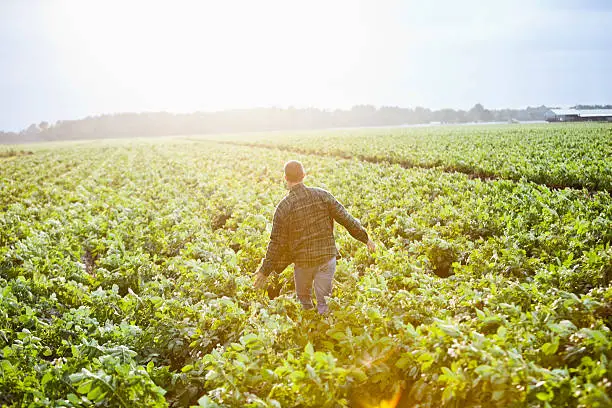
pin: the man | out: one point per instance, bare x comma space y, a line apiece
303, 233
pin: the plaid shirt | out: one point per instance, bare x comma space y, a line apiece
303, 229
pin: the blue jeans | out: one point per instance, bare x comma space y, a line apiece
322, 276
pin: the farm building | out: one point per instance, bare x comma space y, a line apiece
579, 115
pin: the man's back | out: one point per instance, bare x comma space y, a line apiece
303, 229
310, 225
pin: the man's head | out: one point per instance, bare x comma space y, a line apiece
294, 172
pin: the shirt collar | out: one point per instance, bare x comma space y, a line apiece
297, 187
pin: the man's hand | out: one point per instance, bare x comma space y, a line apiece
260, 280
371, 245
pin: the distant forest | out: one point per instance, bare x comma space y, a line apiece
124, 125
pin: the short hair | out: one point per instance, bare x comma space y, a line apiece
294, 171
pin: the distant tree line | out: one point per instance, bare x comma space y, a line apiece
123, 125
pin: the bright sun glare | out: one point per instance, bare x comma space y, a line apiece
212, 54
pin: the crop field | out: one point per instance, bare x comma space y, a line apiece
126, 271
570, 155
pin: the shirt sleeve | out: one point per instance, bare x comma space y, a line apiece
277, 257
345, 219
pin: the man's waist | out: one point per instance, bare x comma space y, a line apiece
310, 259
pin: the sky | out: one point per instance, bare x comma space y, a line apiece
69, 59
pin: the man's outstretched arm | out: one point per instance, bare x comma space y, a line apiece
349, 222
